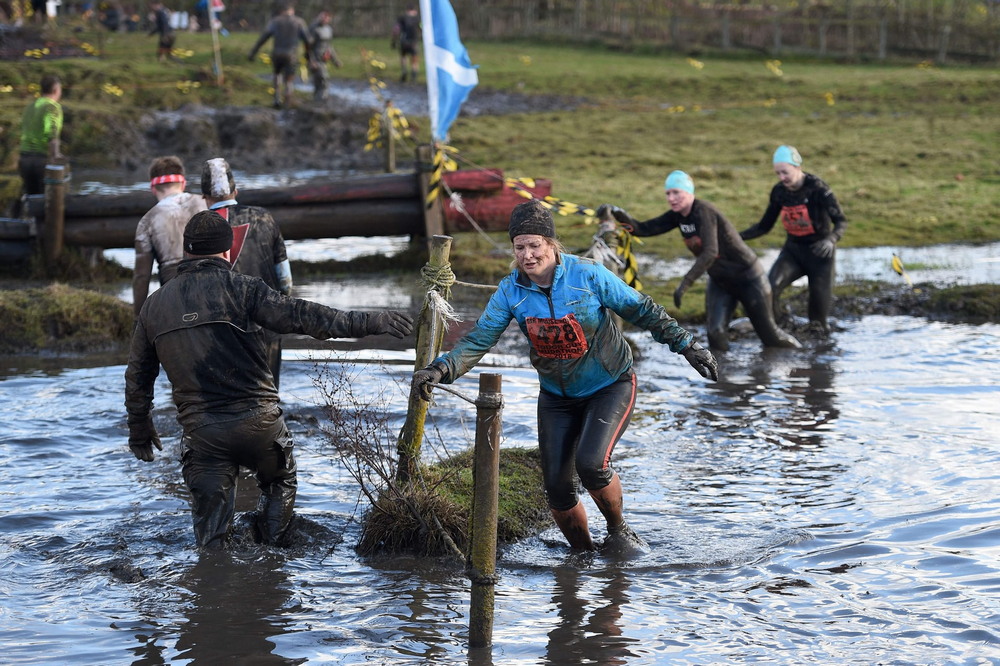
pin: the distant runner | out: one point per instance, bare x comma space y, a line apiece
814, 223
735, 274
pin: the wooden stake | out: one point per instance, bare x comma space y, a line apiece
430, 336
485, 504
55, 208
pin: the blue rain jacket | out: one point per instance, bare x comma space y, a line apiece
575, 345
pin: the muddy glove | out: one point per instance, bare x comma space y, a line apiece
422, 379
702, 360
396, 324
823, 248
680, 291
142, 438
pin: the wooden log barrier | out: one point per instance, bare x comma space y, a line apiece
485, 505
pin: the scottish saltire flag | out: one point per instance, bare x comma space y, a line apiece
450, 75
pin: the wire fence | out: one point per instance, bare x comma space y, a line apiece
938, 30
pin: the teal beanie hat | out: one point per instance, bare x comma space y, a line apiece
787, 155
678, 180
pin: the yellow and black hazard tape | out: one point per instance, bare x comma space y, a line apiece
382, 124
441, 162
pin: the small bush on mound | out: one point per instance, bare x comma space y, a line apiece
432, 516
61, 318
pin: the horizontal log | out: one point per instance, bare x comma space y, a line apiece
478, 180
375, 186
390, 217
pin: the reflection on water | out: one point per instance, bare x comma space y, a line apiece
834, 504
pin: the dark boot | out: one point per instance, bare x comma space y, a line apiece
621, 541
573, 524
275, 510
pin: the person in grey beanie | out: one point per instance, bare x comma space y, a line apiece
562, 304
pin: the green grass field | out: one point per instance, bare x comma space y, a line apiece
909, 149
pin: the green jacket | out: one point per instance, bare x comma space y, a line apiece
42, 122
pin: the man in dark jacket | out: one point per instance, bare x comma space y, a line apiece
201, 327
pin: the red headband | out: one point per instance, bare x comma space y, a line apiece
169, 178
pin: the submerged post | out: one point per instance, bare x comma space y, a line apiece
55, 212
485, 501
430, 336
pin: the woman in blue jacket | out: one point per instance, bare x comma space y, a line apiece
562, 304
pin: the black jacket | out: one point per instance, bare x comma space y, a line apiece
202, 327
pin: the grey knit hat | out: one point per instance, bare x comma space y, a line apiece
207, 232
531, 217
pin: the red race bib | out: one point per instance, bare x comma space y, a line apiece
796, 220
557, 338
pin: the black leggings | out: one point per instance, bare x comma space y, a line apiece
754, 293
578, 435
796, 260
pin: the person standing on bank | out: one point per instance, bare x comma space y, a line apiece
815, 224
198, 326
41, 127
161, 26
563, 304
160, 234
735, 274
287, 30
258, 249
406, 35
321, 52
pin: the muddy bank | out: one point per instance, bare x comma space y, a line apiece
328, 134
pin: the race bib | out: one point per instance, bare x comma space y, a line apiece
557, 338
796, 220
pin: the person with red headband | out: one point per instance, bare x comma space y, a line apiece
160, 233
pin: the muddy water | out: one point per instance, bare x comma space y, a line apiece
834, 504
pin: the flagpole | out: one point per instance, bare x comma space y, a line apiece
430, 71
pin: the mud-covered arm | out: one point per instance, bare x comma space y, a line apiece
140, 377
766, 222
836, 214
283, 314
641, 310
141, 275
652, 227
468, 351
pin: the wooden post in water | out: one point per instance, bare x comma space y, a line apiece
485, 501
55, 209
429, 337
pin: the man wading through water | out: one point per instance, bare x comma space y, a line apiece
563, 304
201, 327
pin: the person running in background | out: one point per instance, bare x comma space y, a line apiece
160, 234
814, 223
735, 274
259, 248
321, 53
162, 27
406, 35
41, 127
199, 327
563, 304
287, 30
